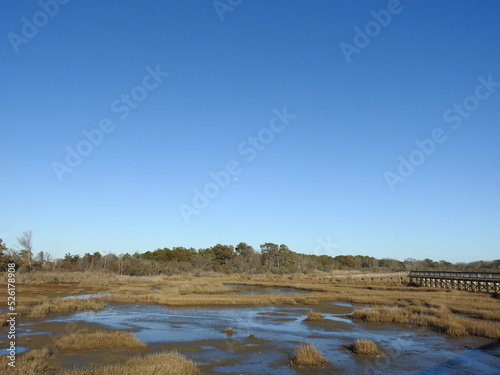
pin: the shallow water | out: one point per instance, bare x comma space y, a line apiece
19, 350
199, 332
86, 296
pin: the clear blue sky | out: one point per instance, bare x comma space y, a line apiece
321, 179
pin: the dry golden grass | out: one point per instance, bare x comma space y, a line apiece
203, 287
201, 300
366, 348
440, 319
90, 278
38, 362
32, 362
3, 319
81, 340
42, 308
484, 313
437, 308
64, 306
314, 315
307, 355
153, 364
229, 331
481, 328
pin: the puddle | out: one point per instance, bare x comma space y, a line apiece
259, 289
199, 333
86, 296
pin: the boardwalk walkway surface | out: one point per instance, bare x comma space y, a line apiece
488, 282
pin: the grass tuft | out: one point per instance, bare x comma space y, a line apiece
99, 340
366, 348
64, 306
229, 331
314, 315
307, 355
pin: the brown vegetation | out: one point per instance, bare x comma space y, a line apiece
366, 348
64, 306
314, 315
3, 319
37, 362
441, 320
81, 340
439, 309
307, 355
153, 364
40, 308
32, 362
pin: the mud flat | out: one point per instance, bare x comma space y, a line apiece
263, 339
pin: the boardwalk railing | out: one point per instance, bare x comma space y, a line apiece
488, 282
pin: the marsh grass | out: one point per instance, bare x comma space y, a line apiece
483, 314
74, 277
171, 363
314, 315
38, 362
441, 320
439, 309
3, 319
63, 306
307, 355
32, 362
365, 348
82, 340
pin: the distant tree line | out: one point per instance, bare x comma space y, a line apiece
271, 258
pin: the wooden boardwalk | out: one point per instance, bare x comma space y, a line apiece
488, 282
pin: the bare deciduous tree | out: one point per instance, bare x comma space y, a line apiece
25, 242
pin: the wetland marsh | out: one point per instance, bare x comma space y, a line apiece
188, 318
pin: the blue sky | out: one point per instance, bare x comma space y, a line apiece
328, 176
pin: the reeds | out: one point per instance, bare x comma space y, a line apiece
153, 364
64, 306
32, 362
307, 355
439, 319
365, 348
3, 319
314, 315
81, 341
483, 314
436, 308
